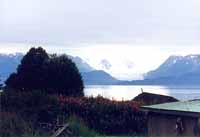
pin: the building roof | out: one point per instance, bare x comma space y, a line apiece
146, 98
184, 107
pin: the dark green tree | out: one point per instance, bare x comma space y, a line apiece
65, 77
1, 85
50, 73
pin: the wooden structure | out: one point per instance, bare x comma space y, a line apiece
177, 119
59, 131
146, 98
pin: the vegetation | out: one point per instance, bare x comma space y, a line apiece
30, 93
79, 129
50, 73
35, 106
100, 114
106, 116
13, 125
49, 89
1, 85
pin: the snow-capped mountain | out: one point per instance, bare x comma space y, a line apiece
82, 65
9, 63
176, 66
123, 69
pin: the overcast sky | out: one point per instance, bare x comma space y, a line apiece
129, 32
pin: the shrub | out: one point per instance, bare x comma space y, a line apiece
102, 115
35, 106
106, 116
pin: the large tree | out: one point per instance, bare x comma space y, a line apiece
50, 73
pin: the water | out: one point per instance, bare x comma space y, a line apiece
125, 92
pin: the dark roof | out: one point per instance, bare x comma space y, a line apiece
187, 108
149, 98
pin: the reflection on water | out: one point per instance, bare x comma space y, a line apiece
119, 92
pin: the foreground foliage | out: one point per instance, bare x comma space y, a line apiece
35, 106
79, 129
103, 115
106, 116
12, 125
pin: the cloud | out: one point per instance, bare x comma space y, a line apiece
105, 64
144, 32
100, 21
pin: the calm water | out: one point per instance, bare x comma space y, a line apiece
129, 92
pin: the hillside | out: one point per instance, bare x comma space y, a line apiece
176, 66
81, 64
176, 70
98, 77
9, 63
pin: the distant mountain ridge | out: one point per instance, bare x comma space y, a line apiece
9, 63
176, 70
189, 79
98, 77
81, 64
176, 66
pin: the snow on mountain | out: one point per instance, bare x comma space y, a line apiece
8, 64
176, 66
123, 68
82, 65
105, 65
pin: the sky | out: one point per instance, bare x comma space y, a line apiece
131, 36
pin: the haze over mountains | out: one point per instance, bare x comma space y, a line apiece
175, 70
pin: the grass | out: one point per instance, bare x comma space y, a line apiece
78, 128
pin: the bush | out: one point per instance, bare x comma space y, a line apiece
100, 114
106, 116
35, 106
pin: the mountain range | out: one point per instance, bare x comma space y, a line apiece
181, 70
9, 63
176, 66
98, 77
175, 70
81, 64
